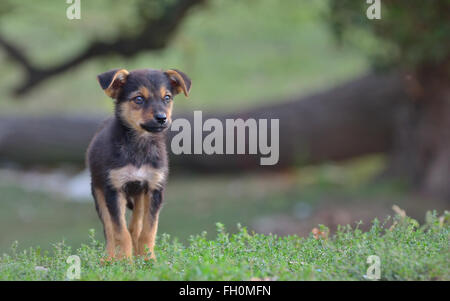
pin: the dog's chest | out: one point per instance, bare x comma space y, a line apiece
153, 177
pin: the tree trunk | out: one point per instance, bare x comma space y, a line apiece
351, 120
421, 153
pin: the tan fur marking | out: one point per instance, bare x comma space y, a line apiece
118, 80
154, 177
132, 114
121, 234
148, 234
148, 114
177, 77
144, 92
107, 223
163, 91
136, 221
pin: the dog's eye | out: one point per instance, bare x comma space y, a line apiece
138, 100
167, 98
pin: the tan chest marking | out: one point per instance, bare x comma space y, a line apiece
129, 173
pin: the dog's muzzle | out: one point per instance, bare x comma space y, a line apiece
154, 127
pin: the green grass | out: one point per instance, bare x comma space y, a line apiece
406, 250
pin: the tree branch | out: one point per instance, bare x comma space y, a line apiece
155, 34
16, 55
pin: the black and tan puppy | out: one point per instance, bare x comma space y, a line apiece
127, 157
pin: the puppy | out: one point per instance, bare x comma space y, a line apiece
127, 157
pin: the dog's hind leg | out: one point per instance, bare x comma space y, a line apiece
137, 217
150, 223
105, 217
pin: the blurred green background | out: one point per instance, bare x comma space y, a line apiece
234, 50
239, 54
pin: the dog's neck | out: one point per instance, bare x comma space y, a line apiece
139, 147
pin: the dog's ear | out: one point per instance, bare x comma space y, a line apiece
112, 81
179, 81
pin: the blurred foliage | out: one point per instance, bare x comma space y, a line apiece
410, 33
239, 53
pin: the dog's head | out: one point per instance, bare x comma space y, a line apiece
144, 98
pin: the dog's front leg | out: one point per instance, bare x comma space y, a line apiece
137, 218
108, 227
116, 203
150, 223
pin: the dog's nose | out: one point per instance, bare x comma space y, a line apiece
161, 118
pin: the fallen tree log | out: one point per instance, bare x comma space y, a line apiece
350, 120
